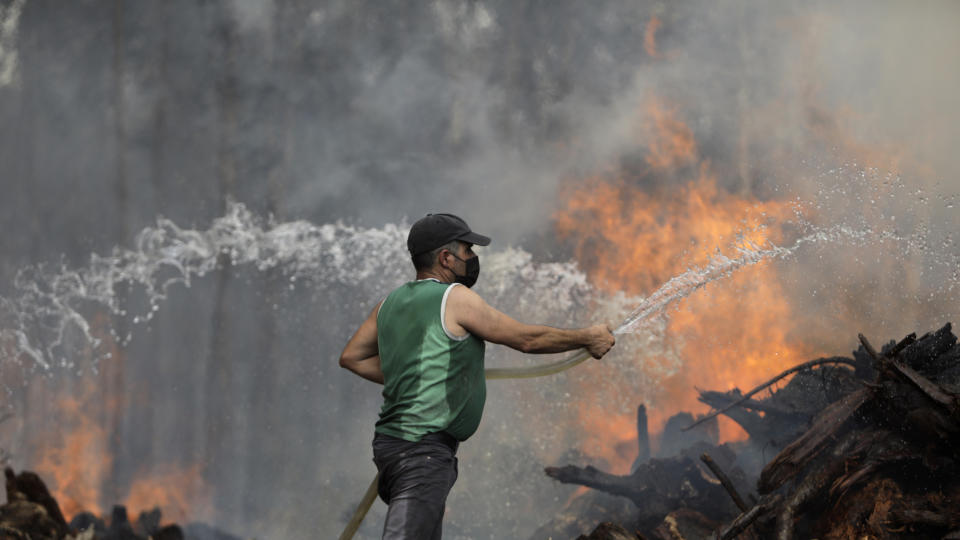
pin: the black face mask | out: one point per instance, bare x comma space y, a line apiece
473, 271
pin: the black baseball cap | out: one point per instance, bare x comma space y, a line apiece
435, 230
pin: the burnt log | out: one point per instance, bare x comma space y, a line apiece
27, 519
932, 354
87, 521
120, 527
637, 486
660, 486
948, 402
29, 486
907, 411
30, 508
870, 457
864, 513
792, 459
815, 386
939, 519
872, 452
643, 437
937, 511
169, 532
747, 518
787, 412
918, 407
805, 493
801, 394
148, 523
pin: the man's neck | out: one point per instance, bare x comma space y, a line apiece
431, 274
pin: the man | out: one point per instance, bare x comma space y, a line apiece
425, 344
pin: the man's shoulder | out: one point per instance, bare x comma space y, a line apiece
418, 289
463, 295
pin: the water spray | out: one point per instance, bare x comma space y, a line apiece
43, 323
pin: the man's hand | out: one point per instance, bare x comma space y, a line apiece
601, 340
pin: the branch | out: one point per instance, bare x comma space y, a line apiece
748, 395
868, 347
627, 486
747, 518
718, 400
725, 481
930, 390
897, 349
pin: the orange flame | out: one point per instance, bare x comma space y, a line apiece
671, 143
632, 240
650, 37
76, 462
180, 493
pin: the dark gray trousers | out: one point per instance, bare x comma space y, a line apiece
415, 478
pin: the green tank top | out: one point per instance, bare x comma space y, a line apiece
433, 380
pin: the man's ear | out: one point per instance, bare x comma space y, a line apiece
442, 256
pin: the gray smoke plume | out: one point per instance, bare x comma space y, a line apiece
364, 115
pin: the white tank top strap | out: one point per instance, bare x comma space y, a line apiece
443, 315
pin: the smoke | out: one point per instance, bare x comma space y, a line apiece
9, 23
374, 113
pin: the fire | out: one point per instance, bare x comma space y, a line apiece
650, 37
76, 462
180, 493
609, 436
639, 240
632, 239
671, 142
76, 465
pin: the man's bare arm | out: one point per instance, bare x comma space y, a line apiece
361, 355
470, 312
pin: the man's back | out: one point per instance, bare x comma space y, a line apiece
433, 380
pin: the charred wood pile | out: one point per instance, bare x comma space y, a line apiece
32, 513
862, 447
